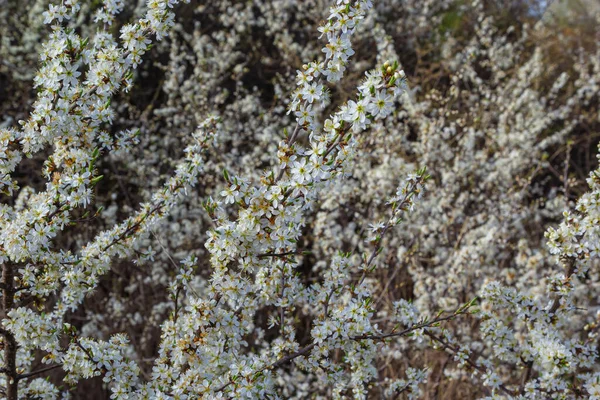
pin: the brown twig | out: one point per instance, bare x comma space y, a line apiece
39, 371
11, 346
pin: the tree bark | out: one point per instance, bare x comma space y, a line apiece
10, 344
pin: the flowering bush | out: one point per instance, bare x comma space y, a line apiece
217, 216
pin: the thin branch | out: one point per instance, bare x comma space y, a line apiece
289, 253
11, 346
306, 349
407, 330
471, 363
290, 141
39, 371
526, 376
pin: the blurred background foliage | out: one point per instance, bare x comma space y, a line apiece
238, 58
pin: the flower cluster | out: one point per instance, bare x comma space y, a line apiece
299, 249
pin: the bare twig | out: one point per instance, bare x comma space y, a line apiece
39, 371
